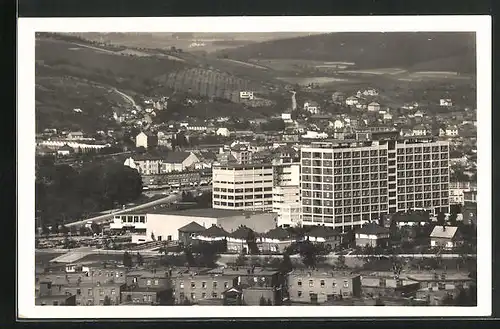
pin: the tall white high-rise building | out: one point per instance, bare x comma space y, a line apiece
243, 187
349, 183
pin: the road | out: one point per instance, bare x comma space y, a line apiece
107, 217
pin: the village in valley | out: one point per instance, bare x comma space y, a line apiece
226, 180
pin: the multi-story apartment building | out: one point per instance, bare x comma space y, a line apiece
241, 153
319, 287
345, 184
243, 187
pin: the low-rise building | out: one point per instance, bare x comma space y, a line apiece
276, 240
373, 235
326, 236
447, 237
384, 284
318, 286
147, 287
373, 107
178, 161
189, 231
146, 140
411, 218
56, 300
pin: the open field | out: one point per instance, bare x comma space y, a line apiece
246, 64
304, 81
56, 97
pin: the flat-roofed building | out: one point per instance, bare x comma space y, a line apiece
345, 184
243, 187
320, 286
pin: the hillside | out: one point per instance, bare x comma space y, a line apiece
371, 50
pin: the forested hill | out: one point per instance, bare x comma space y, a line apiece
432, 51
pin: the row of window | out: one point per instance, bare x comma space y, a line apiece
422, 158
345, 210
345, 219
90, 292
242, 204
240, 197
204, 284
244, 182
133, 219
420, 149
203, 295
343, 154
241, 190
343, 171
322, 283
340, 179
347, 194
345, 163
422, 196
345, 202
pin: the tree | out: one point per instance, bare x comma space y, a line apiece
379, 302
252, 243
107, 300
189, 257
54, 229
127, 260
241, 260
139, 259
340, 263
96, 228
64, 230
440, 218
269, 302
45, 230
453, 219
83, 230
286, 265
153, 236
262, 301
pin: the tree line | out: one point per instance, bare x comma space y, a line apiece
64, 194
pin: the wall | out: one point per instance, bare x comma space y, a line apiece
333, 287
202, 286
258, 222
168, 225
251, 297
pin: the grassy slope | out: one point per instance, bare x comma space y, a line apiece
371, 50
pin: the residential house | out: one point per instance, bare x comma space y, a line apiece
223, 132
435, 287
241, 153
247, 95
75, 135
178, 161
189, 231
146, 164
411, 218
418, 114
451, 131
445, 102
387, 117
212, 234
147, 287
326, 236
372, 234
338, 97
385, 284
373, 107
311, 107
447, 237
420, 130
337, 124
318, 286
56, 300
352, 101
95, 293
65, 150
276, 240
469, 210
238, 241
193, 286
146, 140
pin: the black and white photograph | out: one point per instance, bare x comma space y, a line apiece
283, 162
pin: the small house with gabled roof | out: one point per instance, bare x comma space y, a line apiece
372, 235
327, 236
189, 231
447, 237
276, 240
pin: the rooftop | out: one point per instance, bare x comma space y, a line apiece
278, 233
414, 216
214, 231
192, 227
237, 271
322, 273
322, 232
447, 232
372, 228
176, 157
163, 209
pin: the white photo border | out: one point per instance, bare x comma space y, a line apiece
480, 24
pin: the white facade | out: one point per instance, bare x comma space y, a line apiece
311, 108
338, 124
374, 107
223, 132
289, 215
246, 95
351, 101
74, 145
141, 140
445, 102
243, 187
165, 228
315, 135
345, 186
190, 160
387, 116
451, 131
286, 116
